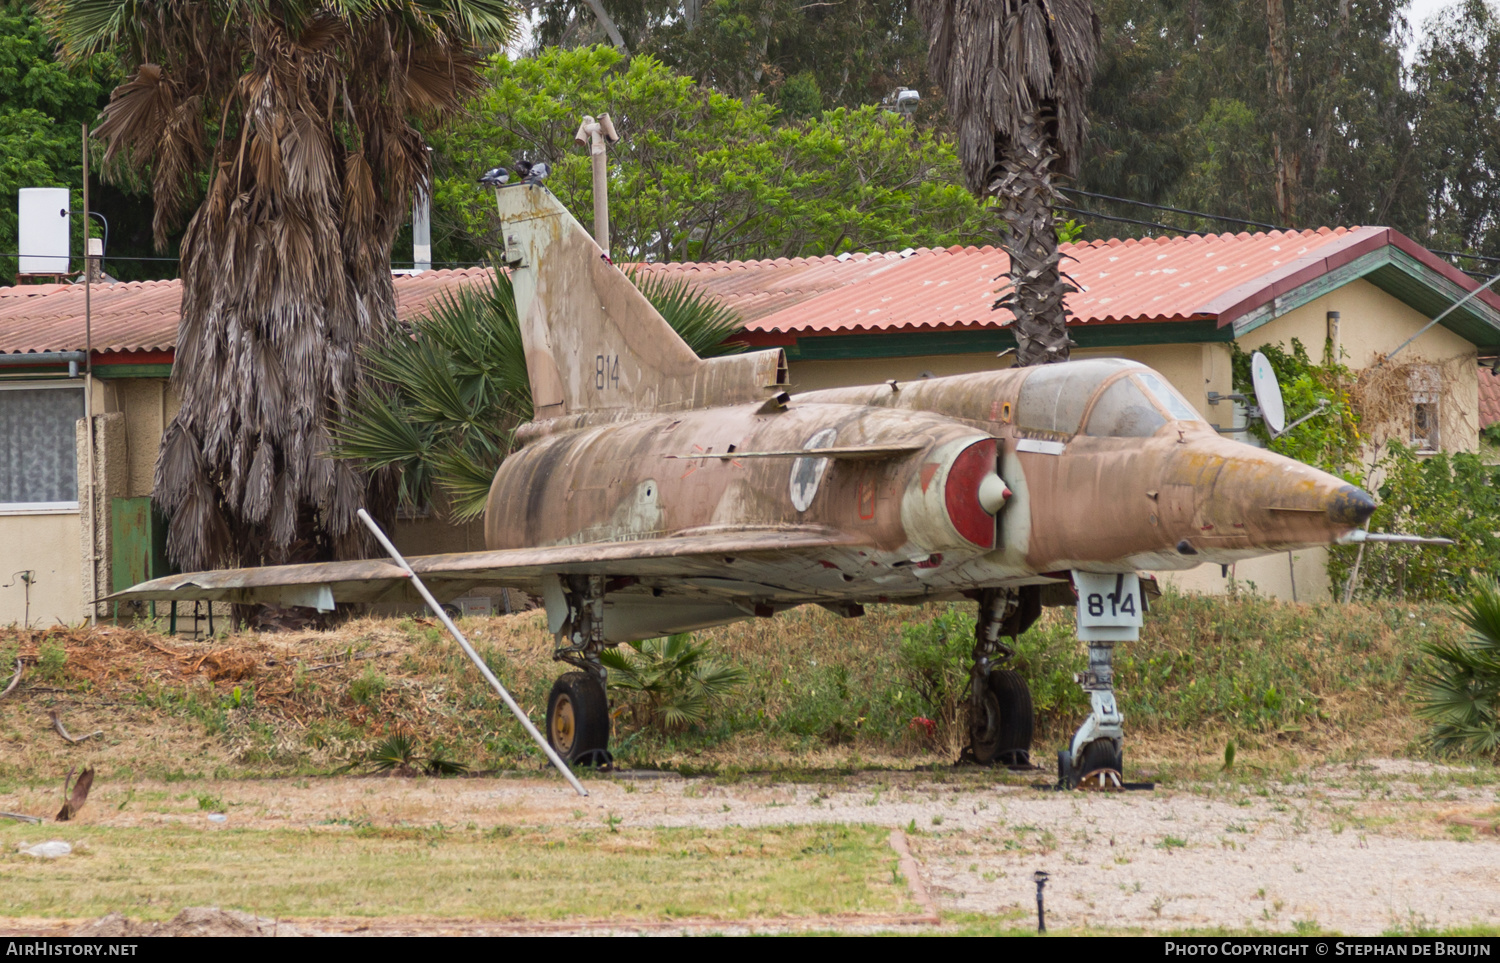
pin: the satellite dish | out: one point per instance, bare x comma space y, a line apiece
1267, 393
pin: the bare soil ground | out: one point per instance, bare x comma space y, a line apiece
1369, 848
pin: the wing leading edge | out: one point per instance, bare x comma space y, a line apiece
319, 584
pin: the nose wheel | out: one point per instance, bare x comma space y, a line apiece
1099, 767
578, 720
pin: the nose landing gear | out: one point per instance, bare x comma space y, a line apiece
1096, 758
1110, 607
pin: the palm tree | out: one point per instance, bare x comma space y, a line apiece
291, 132
1459, 689
441, 400
1016, 75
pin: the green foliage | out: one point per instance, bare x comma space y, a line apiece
698, 174
1331, 441
1459, 691
51, 662
853, 52
670, 683
398, 753
1457, 84
703, 322
1451, 495
1490, 435
367, 689
933, 662
42, 108
1183, 113
443, 398
210, 803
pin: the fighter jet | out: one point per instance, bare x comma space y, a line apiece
657, 492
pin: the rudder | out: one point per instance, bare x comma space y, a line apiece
593, 341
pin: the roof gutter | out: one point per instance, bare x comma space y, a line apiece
33, 358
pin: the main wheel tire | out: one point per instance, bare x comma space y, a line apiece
1017, 718
578, 718
1001, 731
984, 728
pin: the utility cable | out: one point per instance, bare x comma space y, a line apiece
1176, 210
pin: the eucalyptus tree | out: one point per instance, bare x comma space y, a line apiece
288, 134
1016, 75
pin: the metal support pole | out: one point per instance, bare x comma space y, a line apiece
463, 643
88, 392
1040, 877
597, 135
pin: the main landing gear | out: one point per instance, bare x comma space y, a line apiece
578, 708
1001, 720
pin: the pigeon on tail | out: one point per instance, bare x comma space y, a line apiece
531, 173
495, 177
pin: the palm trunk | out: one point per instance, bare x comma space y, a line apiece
1023, 185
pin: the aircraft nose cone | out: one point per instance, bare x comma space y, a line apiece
1350, 506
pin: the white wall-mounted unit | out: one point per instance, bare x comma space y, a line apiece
44, 230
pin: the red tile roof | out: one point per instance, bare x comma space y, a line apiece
1219, 276
133, 316
1489, 398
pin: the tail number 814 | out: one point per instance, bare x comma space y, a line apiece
606, 371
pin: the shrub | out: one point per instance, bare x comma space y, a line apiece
669, 682
933, 662
366, 690
1456, 496
51, 662
1460, 688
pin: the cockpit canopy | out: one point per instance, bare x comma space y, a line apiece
1133, 401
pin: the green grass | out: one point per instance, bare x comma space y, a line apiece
527, 874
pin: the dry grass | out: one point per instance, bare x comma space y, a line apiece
1290, 684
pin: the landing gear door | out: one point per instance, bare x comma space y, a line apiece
1110, 606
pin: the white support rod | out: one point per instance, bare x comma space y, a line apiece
1449, 310
463, 643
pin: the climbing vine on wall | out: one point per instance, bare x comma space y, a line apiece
1331, 441
1362, 437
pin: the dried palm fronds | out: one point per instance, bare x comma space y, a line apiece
1016, 74
288, 137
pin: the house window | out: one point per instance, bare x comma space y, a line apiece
1426, 388
38, 455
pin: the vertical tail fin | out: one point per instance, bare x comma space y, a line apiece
593, 341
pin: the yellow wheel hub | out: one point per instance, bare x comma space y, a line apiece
563, 725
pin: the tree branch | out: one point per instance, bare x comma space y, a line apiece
609, 25
15, 681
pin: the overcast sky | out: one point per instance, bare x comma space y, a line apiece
1417, 15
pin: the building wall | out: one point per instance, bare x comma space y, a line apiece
148, 406
48, 546
1372, 324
